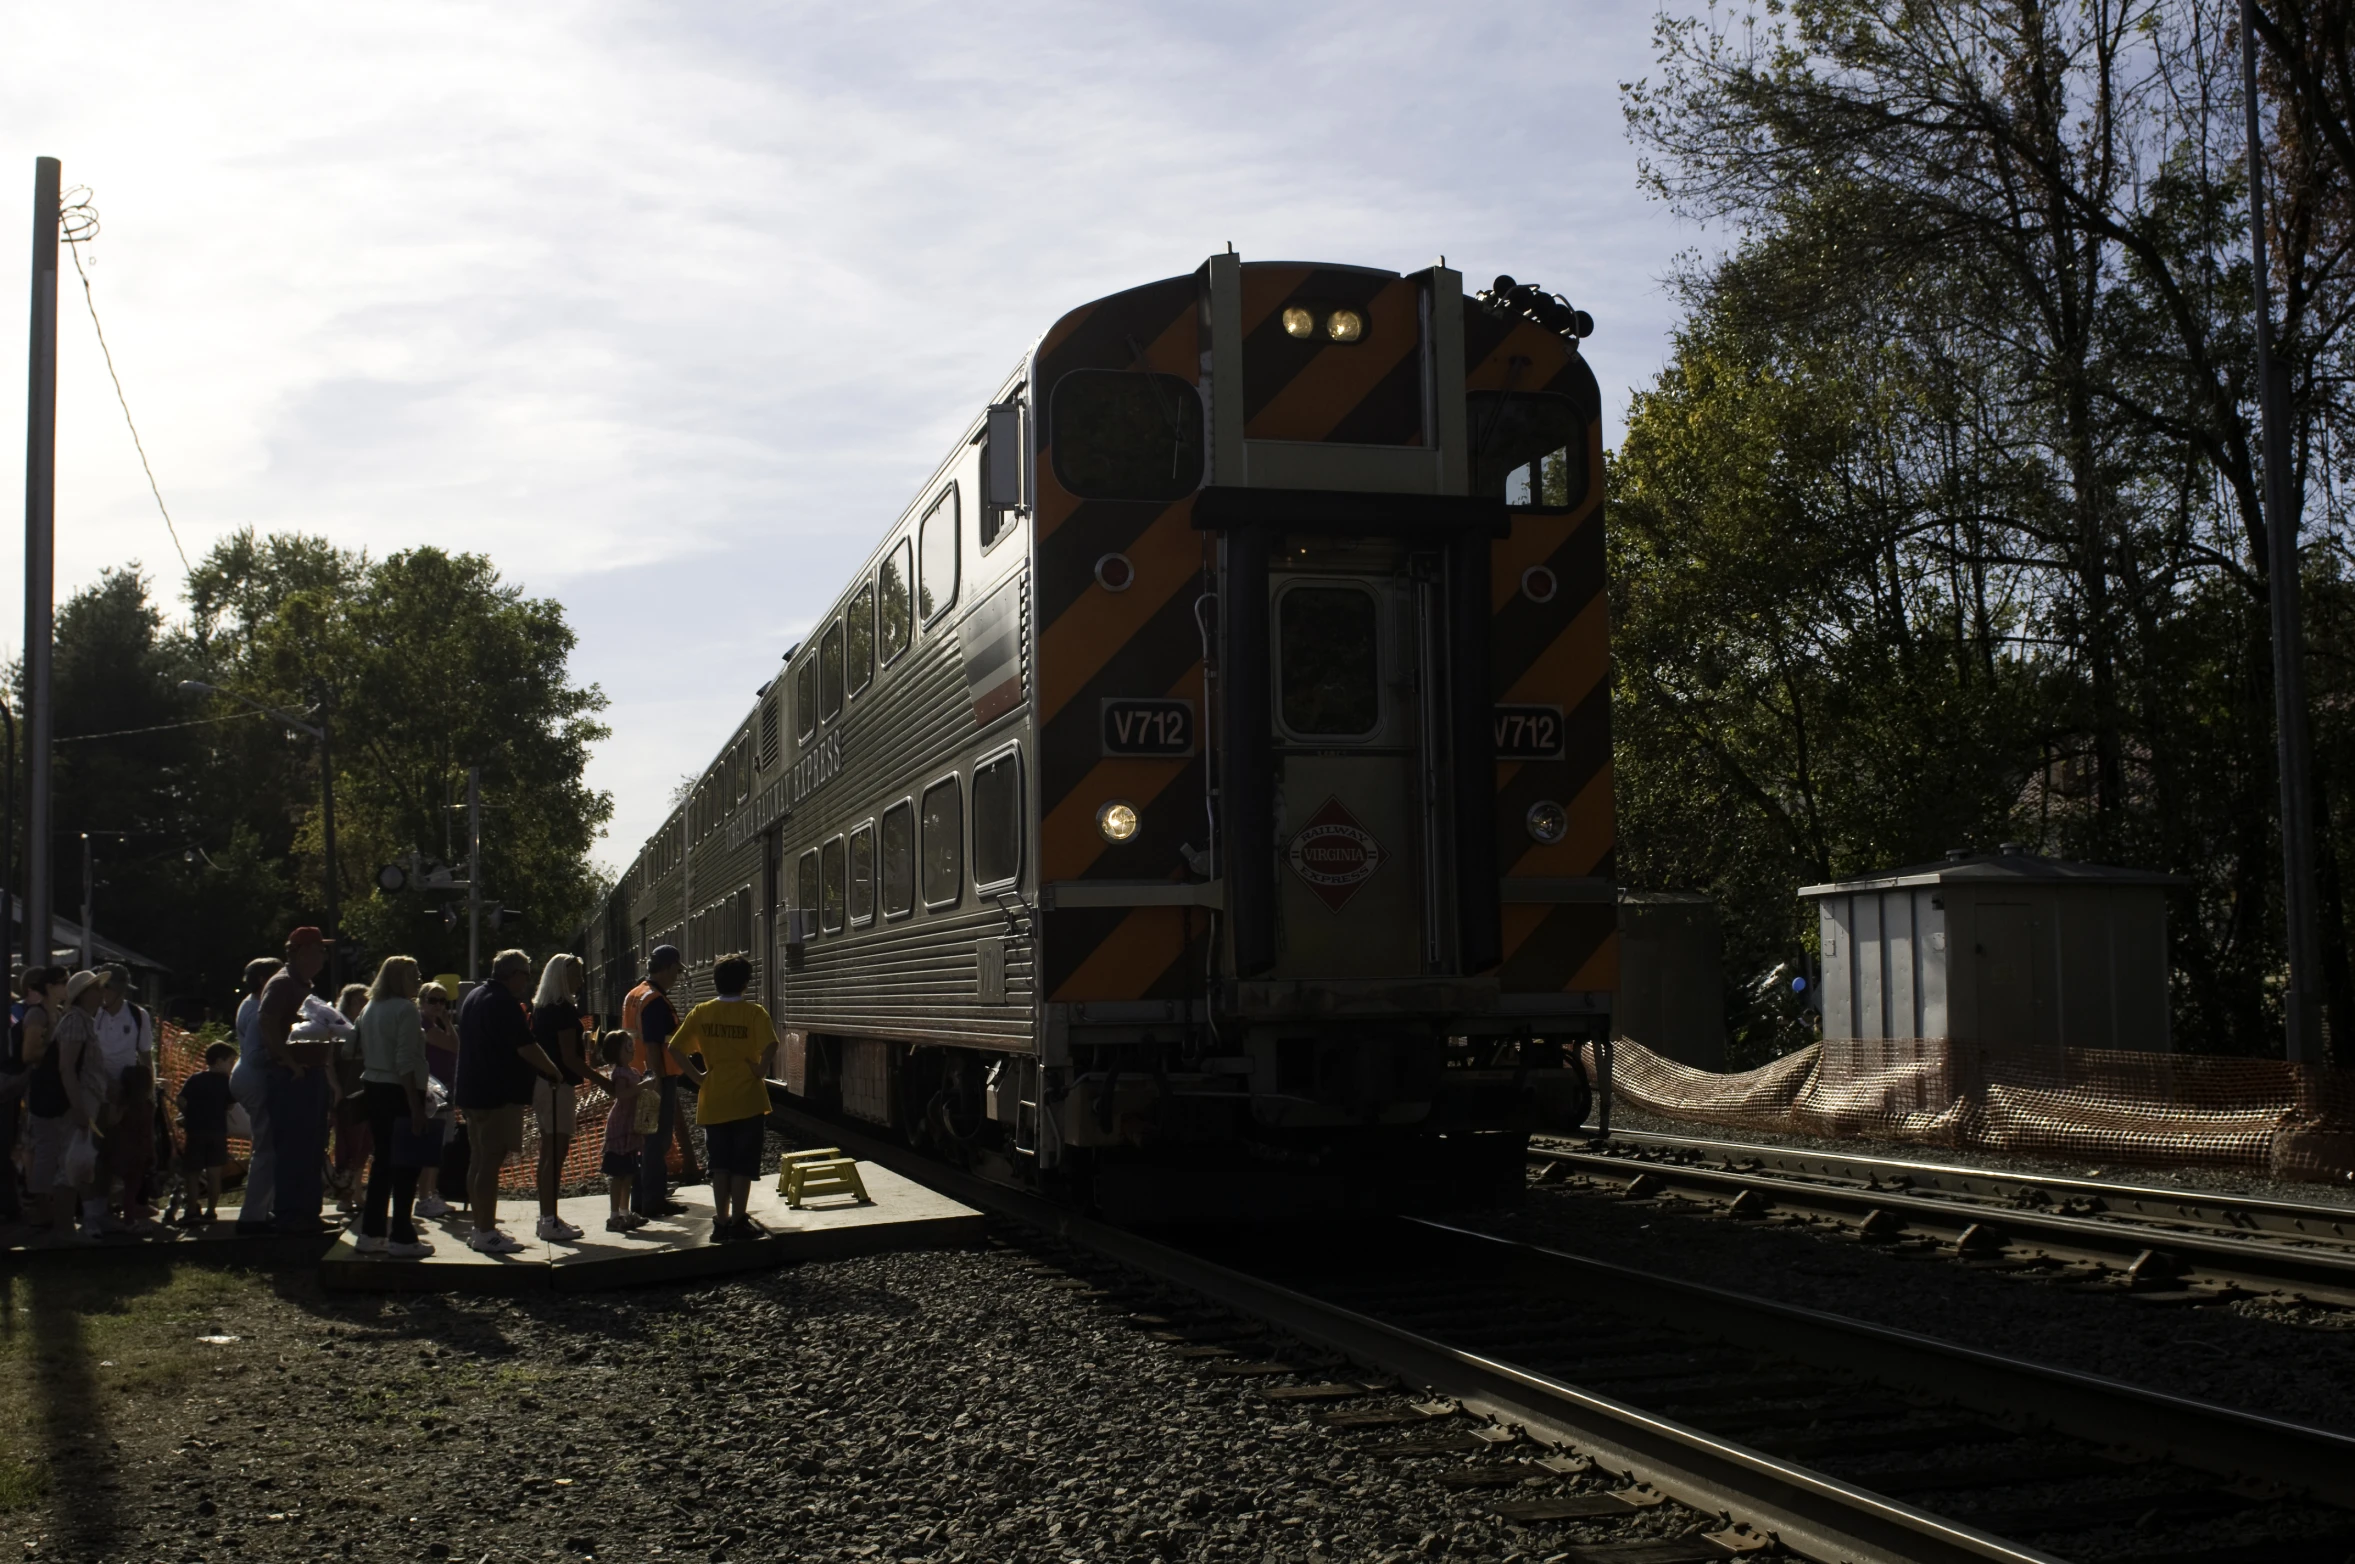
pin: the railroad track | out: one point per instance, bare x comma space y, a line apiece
2187, 1245
1584, 1390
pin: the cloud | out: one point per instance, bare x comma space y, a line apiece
668, 308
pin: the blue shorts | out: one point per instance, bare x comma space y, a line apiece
735, 1147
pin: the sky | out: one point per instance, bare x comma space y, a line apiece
668, 309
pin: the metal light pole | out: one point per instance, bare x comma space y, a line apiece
40, 549
321, 731
89, 945
474, 874
8, 902
2302, 1001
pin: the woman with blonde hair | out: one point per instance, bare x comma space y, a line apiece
392, 1089
556, 1027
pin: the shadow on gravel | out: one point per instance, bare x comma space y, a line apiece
74, 1437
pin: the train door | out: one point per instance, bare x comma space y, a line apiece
1352, 737
772, 883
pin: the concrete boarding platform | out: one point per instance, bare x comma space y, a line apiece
901, 1214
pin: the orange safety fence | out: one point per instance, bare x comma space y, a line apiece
2263, 1116
180, 1054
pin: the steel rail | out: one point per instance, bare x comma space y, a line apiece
1807, 1510
2325, 1272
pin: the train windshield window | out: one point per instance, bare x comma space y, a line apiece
1528, 449
944, 844
899, 860
936, 560
861, 652
997, 820
830, 672
831, 884
1125, 435
893, 583
862, 875
1330, 661
805, 883
805, 698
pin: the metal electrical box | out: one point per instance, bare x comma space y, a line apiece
1671, 977
2003, 949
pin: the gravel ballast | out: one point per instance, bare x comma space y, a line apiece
973, 1404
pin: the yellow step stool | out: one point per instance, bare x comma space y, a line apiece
808, 1175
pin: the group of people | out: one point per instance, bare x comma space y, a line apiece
422, 1089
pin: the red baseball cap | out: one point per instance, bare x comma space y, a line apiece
306, 935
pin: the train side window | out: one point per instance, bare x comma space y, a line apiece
862, 876
944, 844
831, 885
860, 648
805, 698
1329, 660
805, 883
936, 557
1528, 449
1117, 434
899, 860
997, 820
895, 584
830, 672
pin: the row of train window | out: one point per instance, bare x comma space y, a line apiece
722, 929
915, 584
917, 847
728, 784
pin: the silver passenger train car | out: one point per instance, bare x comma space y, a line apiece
1199, 801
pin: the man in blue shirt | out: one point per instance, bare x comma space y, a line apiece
498, 1060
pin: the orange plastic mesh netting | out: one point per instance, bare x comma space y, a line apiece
2259, 1115
180, 1054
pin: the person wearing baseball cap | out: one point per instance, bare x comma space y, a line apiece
298, 1085
648, 1016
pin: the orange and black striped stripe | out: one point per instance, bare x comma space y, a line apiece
1367, 392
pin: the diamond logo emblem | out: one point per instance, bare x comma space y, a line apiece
1334, 854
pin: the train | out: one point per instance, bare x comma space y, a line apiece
1198, 804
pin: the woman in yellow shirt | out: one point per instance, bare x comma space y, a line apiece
737, 1041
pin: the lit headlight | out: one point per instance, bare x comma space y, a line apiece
1548, 822
1118, 821
1299, 322
1345, 325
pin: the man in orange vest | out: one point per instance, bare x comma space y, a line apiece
647, 1015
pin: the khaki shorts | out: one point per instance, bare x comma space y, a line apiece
494, 1134
556, 1107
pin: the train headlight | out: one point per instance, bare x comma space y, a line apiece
1345, 325
1548, 822
1117, 820
1299, 323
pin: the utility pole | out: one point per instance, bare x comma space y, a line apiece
2302, 1001
327, 828
89, 940
40, 550
474, 874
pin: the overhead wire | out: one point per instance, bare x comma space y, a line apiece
161, 727
78, 224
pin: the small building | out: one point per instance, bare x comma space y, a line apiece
2003, 949
1671, 977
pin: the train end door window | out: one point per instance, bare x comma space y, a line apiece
830, 672
859, 650
1528, 449
997, 820
895, 601
936, 557
944, 844
862, 876
1329, 661
832, 884
805, 698
898, 831
805, 883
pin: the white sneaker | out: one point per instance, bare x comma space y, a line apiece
494, 1242
416, 1249
556, 1230
433, 1205
366, 1245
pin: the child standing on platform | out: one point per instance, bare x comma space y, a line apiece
205, 1099
624, 1142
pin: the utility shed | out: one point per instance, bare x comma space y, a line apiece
1671, 983
2003, 949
